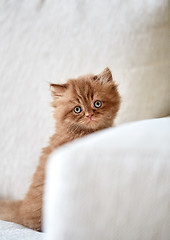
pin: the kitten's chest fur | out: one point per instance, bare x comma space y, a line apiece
63, 136
34, 197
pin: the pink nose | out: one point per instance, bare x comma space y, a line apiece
89, 115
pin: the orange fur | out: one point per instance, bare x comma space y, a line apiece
83, 92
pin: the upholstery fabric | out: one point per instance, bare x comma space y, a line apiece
12, 231
111, 185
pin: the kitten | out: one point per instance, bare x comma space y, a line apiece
82, 106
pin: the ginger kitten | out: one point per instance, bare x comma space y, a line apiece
81, 106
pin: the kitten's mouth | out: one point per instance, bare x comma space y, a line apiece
89, 120
91, 123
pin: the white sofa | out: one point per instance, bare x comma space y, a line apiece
53, 40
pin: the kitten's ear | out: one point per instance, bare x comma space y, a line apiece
58, 90
105, 76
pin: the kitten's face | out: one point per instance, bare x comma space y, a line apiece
88, 103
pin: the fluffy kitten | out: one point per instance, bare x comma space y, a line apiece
82, 106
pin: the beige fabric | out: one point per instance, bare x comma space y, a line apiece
111, 185
52, 40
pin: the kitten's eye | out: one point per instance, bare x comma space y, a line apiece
97, 104
77, 109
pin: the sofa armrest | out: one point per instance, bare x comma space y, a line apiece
113, 184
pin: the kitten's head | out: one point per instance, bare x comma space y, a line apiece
86, 104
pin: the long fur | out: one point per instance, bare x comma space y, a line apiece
83, 91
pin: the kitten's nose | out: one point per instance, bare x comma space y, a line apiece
89, 115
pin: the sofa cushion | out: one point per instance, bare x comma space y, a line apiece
13, 231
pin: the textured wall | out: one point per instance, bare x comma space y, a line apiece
52, 40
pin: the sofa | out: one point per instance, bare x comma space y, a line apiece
51, 41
